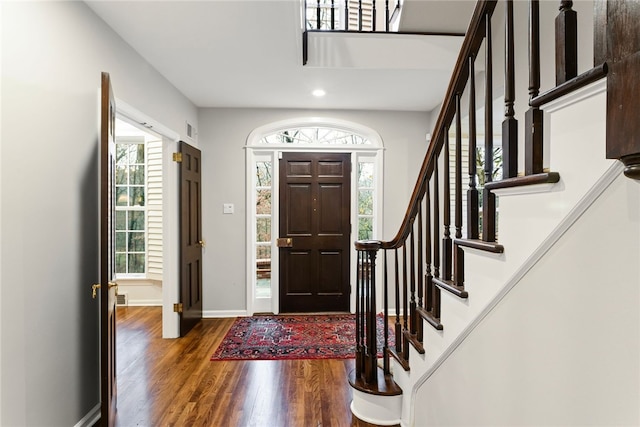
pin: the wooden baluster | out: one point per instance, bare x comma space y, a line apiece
533, 116
333, 15
372, 344
458, 253
419, 273
359, 15
510, 124
318, 15
446, 240
473, 231
398, 325
488, 198
405, 304
373, 15
346, 15
412, 283
566, 43
358, 316
429, 277
387, 16
385, 296
488, 105
458, 176
436, 238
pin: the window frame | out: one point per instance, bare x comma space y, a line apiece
131, 140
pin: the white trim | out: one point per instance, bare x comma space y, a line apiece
220, 314
524, 189
144, 303
126, 110
91, 418
614, 171
170, 225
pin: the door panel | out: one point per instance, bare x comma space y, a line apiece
108, 290
315, 214
191, 242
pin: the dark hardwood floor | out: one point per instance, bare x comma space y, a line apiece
172, 382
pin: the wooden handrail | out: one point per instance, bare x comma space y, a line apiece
470, 47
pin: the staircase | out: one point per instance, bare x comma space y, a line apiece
445, 277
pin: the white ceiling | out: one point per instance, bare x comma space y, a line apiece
248, 53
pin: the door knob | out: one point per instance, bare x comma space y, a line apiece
202, 243
285, 242
95, 287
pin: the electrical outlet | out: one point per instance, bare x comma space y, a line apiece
227, 208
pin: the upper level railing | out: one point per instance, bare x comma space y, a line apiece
426, 255
351, 15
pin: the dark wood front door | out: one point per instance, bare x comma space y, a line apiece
191, 242
314, 232
108, 288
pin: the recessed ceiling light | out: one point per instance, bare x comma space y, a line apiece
319, 93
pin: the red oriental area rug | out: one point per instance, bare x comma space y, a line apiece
288, 337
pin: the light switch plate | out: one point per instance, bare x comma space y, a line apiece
227, 208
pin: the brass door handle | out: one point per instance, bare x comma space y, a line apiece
95, 287
202, 243
285, 242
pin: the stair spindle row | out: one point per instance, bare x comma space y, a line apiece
426, 258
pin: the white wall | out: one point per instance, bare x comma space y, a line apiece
222, 136
52, 56
563, 347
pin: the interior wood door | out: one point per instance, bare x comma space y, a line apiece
191, 242
108, 288
314, 232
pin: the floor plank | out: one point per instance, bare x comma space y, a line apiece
172, 382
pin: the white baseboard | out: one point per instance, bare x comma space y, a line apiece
144, 302
91, 418
213, 314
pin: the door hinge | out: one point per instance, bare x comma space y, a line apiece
177, 308
177, 157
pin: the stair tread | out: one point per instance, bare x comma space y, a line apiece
385, 385
492, 247
430, 318
450, 286
414, 341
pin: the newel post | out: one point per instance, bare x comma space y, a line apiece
617, 42
366, 345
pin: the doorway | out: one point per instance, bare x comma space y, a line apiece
315, 232
266, 146
166, 267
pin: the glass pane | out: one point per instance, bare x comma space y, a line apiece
137, 175
263, 252
365, 228
263, 202
121, 220
365, 202
121, 196
263, 229
365, 175
263, 174
121, 175
136, 195
136, 263
121, 263
136, 242
136, 153
136, 220
121, 241
121, 154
